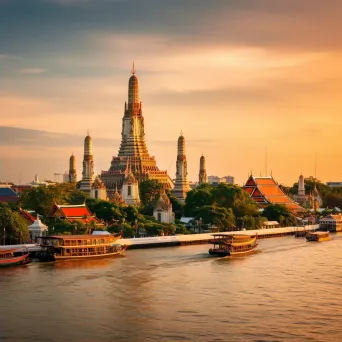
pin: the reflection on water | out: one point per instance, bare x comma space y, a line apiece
287, 291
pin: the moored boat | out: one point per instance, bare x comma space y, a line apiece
318, 236
13, 257
67, 247
233, 245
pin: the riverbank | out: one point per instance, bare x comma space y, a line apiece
184, 240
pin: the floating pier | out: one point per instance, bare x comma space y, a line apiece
195, 239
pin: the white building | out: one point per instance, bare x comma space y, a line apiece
37, 229
163, 209
335, 184
217, 180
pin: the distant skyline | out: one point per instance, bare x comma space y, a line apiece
237, 77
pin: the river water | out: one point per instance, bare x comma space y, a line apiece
287, 291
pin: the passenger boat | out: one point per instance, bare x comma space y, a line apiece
13, 257
233, 245
66, 247
318, 236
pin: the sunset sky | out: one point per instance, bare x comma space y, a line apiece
237, 77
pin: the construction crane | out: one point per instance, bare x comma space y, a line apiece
58, 174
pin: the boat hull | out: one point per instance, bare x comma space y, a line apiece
320, 239
54, 257
223, 253
15, 261
87, 257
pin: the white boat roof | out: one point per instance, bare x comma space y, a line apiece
100, 232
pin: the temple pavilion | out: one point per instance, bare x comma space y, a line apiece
265, 191
75, 213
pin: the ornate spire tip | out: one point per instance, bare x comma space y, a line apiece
133, 69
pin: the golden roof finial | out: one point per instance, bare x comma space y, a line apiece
133, 69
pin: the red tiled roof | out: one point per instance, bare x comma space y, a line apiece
264, 181
27, 215
75, 211
83, 220
266, 191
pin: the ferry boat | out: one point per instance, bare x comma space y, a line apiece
13, 257
233, 245
67, 247
318, 236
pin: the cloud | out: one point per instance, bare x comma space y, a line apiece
4, 56
16, 136
32, 71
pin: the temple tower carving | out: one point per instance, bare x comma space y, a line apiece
182, 184
133, 146
202, 176
88, 165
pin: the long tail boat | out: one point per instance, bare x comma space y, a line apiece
67, 247
13, 257
233, 245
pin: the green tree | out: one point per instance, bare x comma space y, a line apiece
280, 213
177, 207
12, 225
42, 199
221, 217
107, 211
149, 191
199, 197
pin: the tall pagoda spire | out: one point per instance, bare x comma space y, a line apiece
88, 165
202, 176
133, 145
133, 88
72, 169
182, 184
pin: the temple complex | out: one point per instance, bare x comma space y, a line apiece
182, 184
202, 176
72, 169
265, 191
133, 146
88, 165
